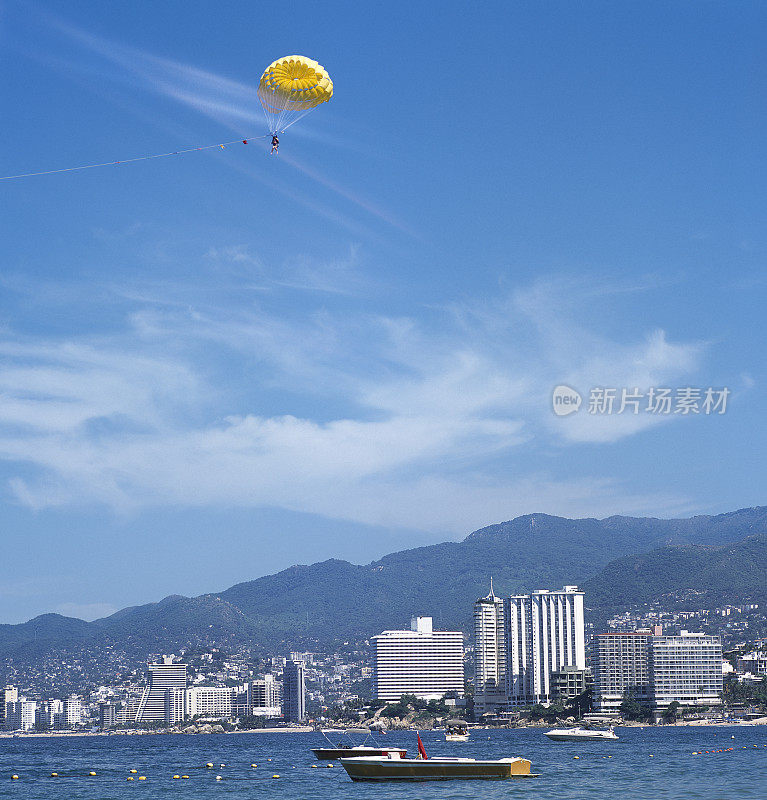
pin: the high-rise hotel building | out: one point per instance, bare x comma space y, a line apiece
293, 691
162, 678
490, 658
546, 633
522, 643
421, 661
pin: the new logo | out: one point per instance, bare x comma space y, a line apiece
565, 400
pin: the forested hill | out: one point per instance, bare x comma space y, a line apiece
320, 604
707, 576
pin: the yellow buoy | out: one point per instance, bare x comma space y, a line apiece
91, 773
576, 756
184, 776
254, 765
329, 766
54, 774
176, 777
129, 778
275, 776
142, 777
314, 766
209, 765
218, 777
133, 771
14, 777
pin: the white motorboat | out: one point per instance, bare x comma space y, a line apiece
581, 735
456, 731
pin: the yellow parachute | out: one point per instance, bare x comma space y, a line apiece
290, 88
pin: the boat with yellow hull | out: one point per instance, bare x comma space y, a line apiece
395, 768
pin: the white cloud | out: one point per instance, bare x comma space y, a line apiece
437, 426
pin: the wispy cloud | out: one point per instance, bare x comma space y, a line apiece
428, 410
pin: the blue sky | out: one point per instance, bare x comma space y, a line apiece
220, 364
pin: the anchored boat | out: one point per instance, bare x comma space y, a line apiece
343, 749
393, 767
456, 730
581, 735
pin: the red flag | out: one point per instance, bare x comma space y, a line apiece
244, 141
421, 750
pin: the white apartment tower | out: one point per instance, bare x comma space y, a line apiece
686, 668
8, 695
421, 661
20, 714
545, 633
489, 655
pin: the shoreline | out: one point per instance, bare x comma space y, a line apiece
308, 729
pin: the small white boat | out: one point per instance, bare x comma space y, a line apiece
456, 731
581, 735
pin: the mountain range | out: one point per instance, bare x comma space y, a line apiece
618, 561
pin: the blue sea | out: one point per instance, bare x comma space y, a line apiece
645, 764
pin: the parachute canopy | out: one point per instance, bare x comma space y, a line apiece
290, 88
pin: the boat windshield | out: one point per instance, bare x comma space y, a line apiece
350, 737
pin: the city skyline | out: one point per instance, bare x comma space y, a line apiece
529, 651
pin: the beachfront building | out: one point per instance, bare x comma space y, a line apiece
686, 669
420, 661
263, 697
621, 669
490, 657
657, 670
214, 702
293, 691
72, 712
20, 714
10, 694
107, 715
162, 678
545, 633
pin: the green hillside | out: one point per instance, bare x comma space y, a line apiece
733, 573
321, 604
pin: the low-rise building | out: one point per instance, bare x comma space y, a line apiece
569, 682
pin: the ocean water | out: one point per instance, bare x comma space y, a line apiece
646, 764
